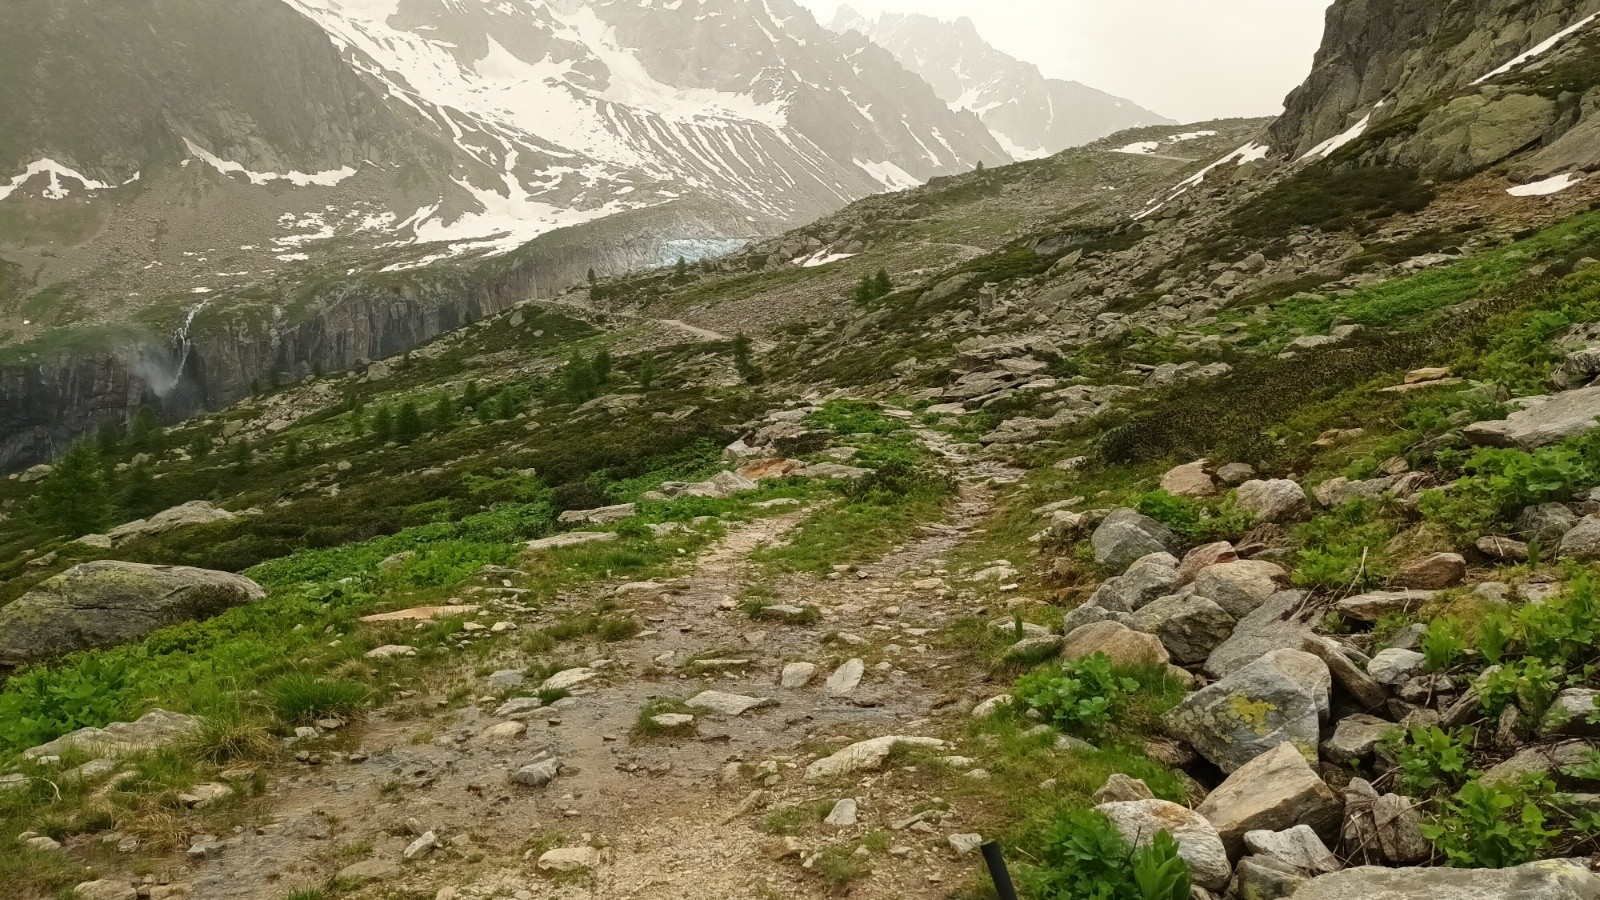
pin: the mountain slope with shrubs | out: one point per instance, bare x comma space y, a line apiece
1223, 529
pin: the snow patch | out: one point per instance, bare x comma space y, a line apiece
58, 189
298, 179
821, 258
1540, 49
1331, 146
889, 175
1548, 186
1249, 153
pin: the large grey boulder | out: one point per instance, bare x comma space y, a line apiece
1140, 820
107, 603
1274, 792
1374, 605
1281, 697
155, 729
1190, 627
1542, 420
1298, 847
1582, 543
1125, 536
1150, 576
195, 512
1279, 624
1122, 644
1241, 587
1551, 879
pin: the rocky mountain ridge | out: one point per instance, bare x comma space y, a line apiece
1031, 115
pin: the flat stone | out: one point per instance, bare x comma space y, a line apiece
391, 651
1189, 480
517, 706
1241, 587
1433, 572
422, 846
1394, 666
845, 679
421, 613
604, 515
105, 890
728, 704
1555, 879
505, 731
1546, 421
1346, 674
1355, 737
1298, 847
572, 539
568, 679
673, 720
569, 859
369, 870
1374, 605
1279, 624
155, 729
866, 755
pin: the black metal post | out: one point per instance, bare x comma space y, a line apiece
998, 871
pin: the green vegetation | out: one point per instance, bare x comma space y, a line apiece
1085, 858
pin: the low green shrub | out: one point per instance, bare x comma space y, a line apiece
1429, 759
1494, 826
1083, 697
1084, 857
1343, 548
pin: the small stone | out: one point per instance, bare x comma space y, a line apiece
845, 679
797, 675
1120, 788
965, 843
105, 890
672, 720
728, 704
422, 846
843, 814
505, 731
537, 774
569, 859
391, 651
1433, 572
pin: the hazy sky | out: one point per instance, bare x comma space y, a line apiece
1188, 59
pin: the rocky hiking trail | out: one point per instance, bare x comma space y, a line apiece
429, 806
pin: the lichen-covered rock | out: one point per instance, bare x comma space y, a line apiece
1283, 696
107, 603
1541, 421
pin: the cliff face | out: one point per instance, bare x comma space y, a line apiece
51, 399
1448, 87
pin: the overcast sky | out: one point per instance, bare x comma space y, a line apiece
1188, 59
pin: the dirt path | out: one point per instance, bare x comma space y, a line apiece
671, 818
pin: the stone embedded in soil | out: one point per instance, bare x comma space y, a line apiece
797, 675
568, 679
728, 704
569, 859
843, 814
391, 651
537, 774
863, 755
846, 678
672, 720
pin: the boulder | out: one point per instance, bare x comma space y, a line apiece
1190, 627
1125, 646
1433, 572
1265, 878
1241, 587
1275, 501
1274, 792
1394, 666
866, 755
1542, 420
1149, 577
726, 484
1121, 788
1355, 737
1546, 522
107, 603
1278, 625
1338, 491
1547, 759
1125, 536
105, 889
1281, 697
1346, 674
1552, 879
1189, 480
153, 730
1235, 474
1202, 557
1198, 843
1571, 714
195, 512
1582, 543
572, 539
797, 675
1298, 847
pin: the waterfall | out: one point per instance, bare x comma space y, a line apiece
166, 383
